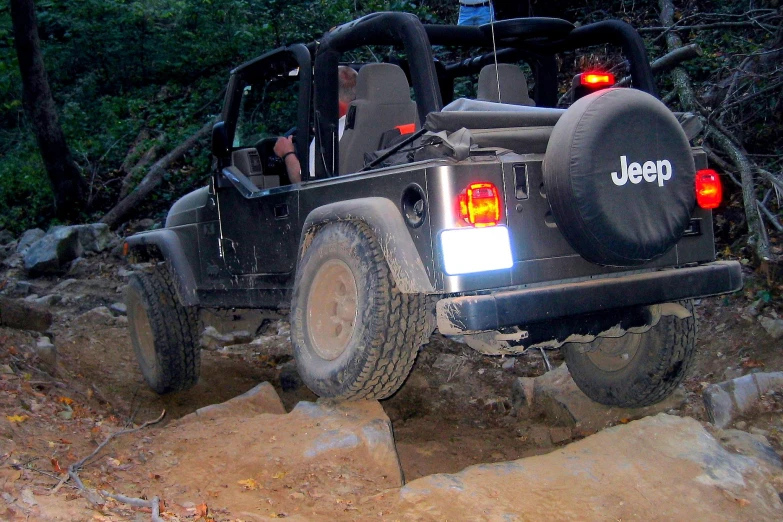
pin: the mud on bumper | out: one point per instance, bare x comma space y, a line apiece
518, 306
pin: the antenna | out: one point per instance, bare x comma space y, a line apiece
494, 46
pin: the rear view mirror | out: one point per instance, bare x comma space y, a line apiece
220, 145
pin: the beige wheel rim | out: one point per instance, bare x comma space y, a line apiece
332, 309
615, 353
143, 331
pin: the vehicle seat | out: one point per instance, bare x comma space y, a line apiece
513, 85
383, 102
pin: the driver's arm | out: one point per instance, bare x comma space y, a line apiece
284, 148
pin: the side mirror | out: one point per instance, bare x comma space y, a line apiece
220, 146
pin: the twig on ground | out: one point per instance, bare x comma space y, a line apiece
73, 470
153, 503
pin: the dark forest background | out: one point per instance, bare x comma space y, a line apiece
132, 79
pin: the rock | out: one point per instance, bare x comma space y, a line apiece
774, 327
124, 272
353, 427
18, 288
24, 315
539, 435
93, 237
260, 399
211, 339
755, 309
6, 370
120, 308
6, 237
731, 373
289, 377
61, 286
728, 400
48, 300
6, 251
28, 238
756, 446
566, 405
100, 316
658, 468
47, 354
52, 253
560, 434
523, 392
146, 224
330, 451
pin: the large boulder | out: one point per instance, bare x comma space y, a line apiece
658, 468
28, 238
93, 237
53, 252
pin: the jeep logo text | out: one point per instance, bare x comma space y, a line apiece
650, 171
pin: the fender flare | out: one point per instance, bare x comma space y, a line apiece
169, 248
386, 222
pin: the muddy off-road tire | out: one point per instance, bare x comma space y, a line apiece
355, 335
164, 333
636, 369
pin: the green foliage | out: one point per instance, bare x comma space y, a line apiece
116, 67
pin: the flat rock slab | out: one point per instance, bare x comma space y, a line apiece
270, 463
658, 468
566, 405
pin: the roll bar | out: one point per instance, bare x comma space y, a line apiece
373, 29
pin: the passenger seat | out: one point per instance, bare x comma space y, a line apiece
383, 103
513, 85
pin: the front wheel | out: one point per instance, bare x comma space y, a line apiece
355, 335
164, 333
635, 370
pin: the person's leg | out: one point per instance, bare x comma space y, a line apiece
475, 15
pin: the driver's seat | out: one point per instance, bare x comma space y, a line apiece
383, 103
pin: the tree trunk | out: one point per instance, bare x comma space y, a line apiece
682, 85
68, 185
153, 177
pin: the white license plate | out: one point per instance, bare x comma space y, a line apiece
471, 250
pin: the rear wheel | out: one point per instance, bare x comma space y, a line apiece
164, 333
636, 369
355, 335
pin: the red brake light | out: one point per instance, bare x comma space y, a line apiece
709, 191
408, 128
479, 205
594, 80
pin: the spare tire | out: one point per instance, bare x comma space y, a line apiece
619, 177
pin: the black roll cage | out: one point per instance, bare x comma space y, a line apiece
432, 80
427, 75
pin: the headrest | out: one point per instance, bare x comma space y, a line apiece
513, 85
382, 83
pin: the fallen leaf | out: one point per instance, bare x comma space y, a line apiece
751, 363
202, 510
17, 418
56, 466
12, 350
65, 400
625, 420
248, 484
64, 441
279, 475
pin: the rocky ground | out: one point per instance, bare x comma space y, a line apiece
250, 461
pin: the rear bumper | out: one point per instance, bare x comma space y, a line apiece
520, 306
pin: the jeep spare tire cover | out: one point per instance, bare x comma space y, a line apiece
619, 177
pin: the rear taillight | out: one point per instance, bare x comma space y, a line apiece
595, 80
709, 191
479, 205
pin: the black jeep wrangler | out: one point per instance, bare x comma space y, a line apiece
500, 221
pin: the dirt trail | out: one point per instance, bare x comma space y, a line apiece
454, 411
